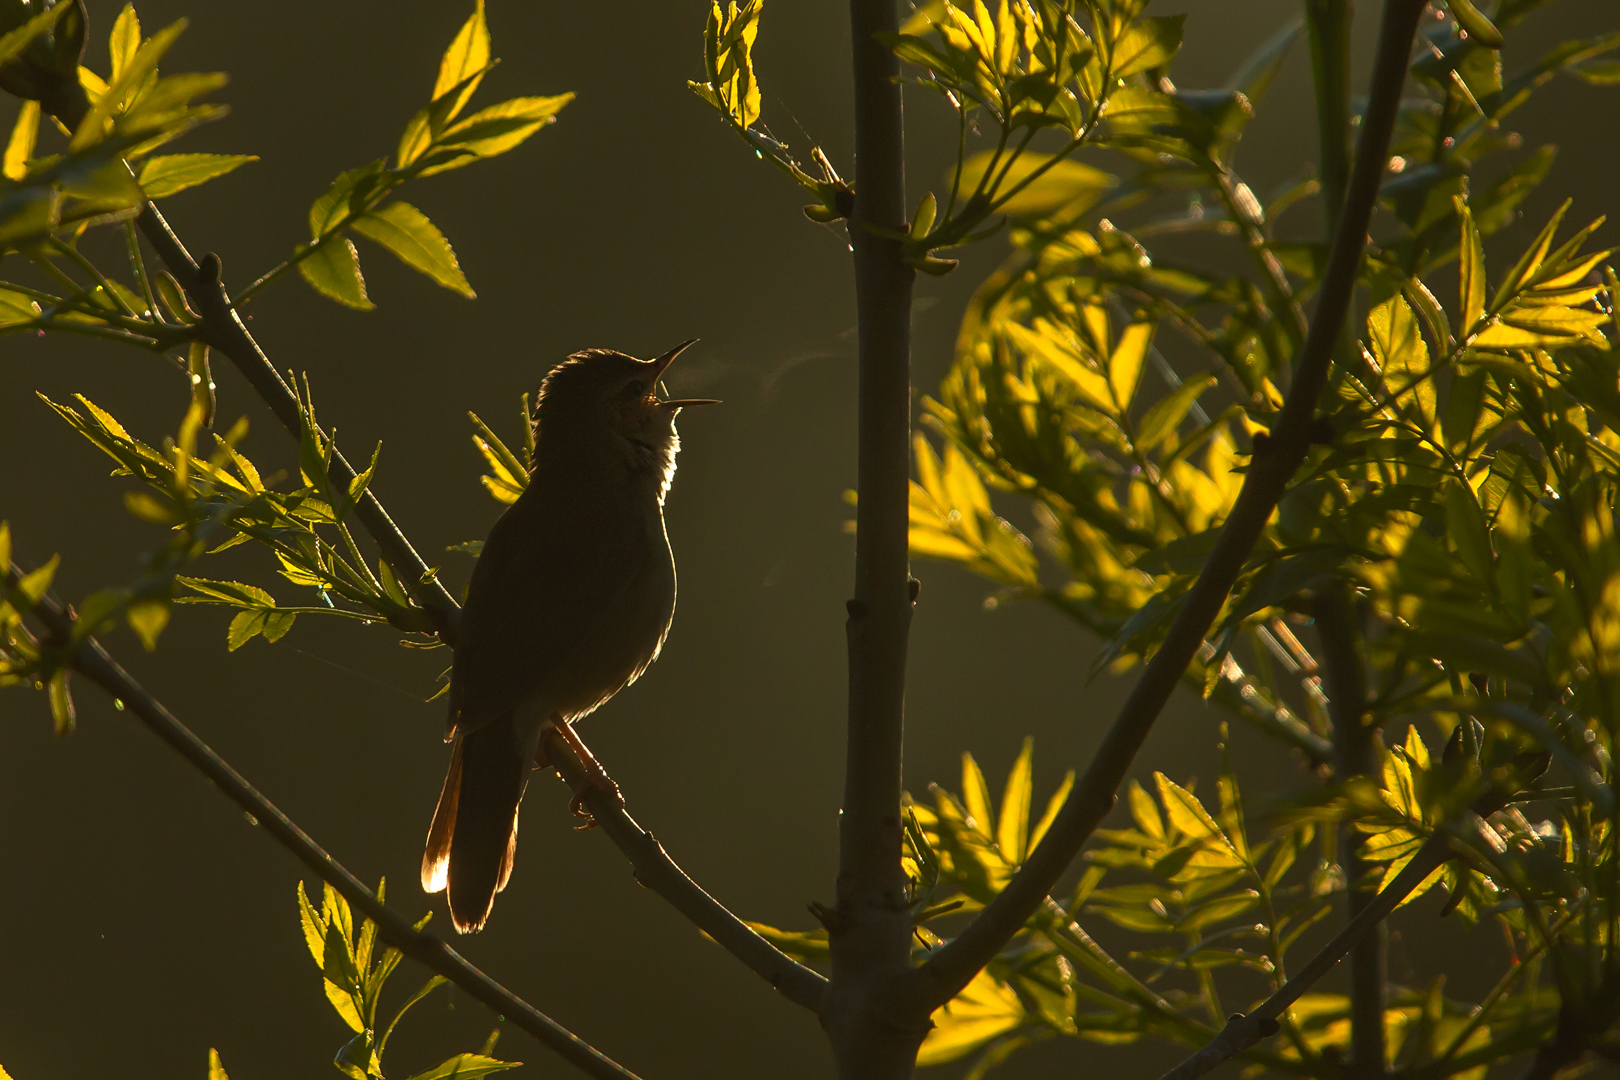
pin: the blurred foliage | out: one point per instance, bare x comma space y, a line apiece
354, 973
1462, 488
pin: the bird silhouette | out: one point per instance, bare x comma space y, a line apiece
570, 601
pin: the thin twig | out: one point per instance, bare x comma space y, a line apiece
93, 662
657, 871
1243, 1031
1272, 466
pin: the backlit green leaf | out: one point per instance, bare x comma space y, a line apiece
163, 176
467, 56
334, 271
465, 1067
407, 232
1012, 829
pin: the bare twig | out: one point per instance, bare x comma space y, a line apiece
1243, 1031
657, 871
1273, 465
93, 662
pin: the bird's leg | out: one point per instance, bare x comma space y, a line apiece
595, 776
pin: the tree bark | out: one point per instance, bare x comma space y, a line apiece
871, 926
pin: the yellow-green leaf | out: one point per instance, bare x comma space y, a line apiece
216, 1068
983, 1010
1012, 829
467, 55
333, 270
163, 176
976, 795
124, 41
1062, 184
1149, 44
1053, 806
15, 308
407, 232
1125, 365
495, 130
1470, 270
1398, 346
20, 147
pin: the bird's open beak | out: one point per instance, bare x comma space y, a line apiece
668, 358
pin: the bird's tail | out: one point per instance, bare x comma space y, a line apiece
474, 834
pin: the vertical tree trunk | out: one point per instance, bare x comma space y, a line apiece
871, 927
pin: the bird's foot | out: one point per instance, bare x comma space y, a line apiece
596, 781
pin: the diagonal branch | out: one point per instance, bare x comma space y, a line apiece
1272, 466
1243, 1031
657, 871
93, 662
222, 329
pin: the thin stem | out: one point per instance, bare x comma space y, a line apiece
1243, 1031
137, 263
871, 928
100, 279
657, 871
93, 662
1345, 673
1272, 466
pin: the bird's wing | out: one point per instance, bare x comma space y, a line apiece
543, 582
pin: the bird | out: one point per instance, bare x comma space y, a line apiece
570, 601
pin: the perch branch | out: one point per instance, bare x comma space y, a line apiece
1272, 466
657, 871
93, 662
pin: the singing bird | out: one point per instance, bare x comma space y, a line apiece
569, 603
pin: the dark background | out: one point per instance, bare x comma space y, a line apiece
142, 920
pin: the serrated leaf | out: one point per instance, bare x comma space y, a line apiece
1054, 806
246, 626
163, 176
124, 41
314, 927
407, 232
333, 270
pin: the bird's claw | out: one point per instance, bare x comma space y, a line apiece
598, 782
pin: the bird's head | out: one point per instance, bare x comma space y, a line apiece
603, 393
